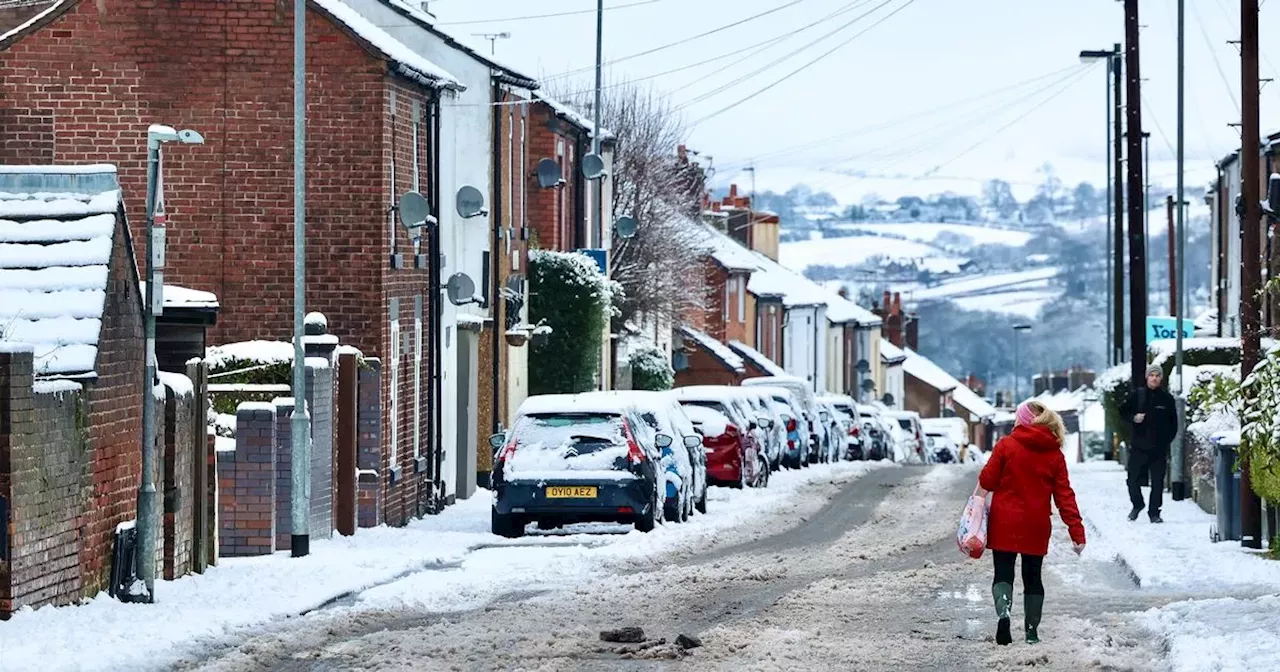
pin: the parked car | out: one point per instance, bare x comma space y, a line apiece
776, 433
684, 461
730, 436
571, 459
955, 431
833, 431
878, 443
940, 446
795, 452
805, 399
910, 436
846, 411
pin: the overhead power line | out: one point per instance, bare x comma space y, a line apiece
800, 69
546, 16
944, 108
677, 43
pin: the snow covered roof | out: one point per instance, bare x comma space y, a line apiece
719, 350
574, 117
890, 353
970, 400
57, 226
840, 310
405, 60
923, 369
506, 73
757, 358
724, 250
774, 279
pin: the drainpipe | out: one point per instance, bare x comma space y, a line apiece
437, 315
494, 245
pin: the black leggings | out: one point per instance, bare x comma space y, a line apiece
1031, 566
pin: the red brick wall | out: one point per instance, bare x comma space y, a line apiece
553, 212
85, 87
705, 369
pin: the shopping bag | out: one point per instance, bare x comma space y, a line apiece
971, 537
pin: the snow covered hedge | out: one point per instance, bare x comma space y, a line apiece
568, 291
650, 369
1261, 425
250, 362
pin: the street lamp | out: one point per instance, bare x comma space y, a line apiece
1112, 57
1017, 367
154, 305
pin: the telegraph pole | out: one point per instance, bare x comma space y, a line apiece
1179, 478
1173, 276
1117, 243
1137, 245
1250, 255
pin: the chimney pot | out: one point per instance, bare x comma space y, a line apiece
733, 191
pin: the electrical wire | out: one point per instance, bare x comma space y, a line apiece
800, 69
545, 16
749, 75
945, 108
677, 43
1214, 55
1149, 110
1071, 82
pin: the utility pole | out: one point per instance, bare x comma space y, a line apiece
598, 210
1146, 208
300, 423
1178, 475
1112, 66
1251, 250
1173, 277
1117, 259
1137, 245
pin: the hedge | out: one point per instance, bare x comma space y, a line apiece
569, 294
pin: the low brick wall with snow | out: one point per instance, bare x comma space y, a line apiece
246, 484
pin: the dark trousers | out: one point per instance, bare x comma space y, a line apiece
1031, 566
1154, 464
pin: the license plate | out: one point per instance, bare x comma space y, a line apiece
571, 492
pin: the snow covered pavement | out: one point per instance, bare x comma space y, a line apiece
1232, 621
448, 562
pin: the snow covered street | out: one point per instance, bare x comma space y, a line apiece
856, 574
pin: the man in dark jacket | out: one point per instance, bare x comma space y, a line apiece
1153, 424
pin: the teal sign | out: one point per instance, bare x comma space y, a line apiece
1167, 327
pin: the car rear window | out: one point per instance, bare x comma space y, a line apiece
711, 404
904, 423
710, 421
568, 442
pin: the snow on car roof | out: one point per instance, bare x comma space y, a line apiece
547, 404
643, 399
707, 392
713, 422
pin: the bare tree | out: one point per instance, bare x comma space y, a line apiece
659, 267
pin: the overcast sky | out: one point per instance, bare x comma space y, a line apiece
941, 88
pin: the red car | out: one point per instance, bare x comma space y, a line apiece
730, 437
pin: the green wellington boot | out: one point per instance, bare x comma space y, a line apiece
1003, 596
1035, 607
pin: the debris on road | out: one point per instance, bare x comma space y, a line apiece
627, 635
687, 642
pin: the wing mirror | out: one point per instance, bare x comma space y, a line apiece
766, 423
497, 440
662, 441
692, 441
826, 417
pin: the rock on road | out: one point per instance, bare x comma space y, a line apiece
870, 581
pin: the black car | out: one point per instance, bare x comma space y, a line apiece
568, 460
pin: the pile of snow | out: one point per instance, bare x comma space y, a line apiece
260, 352
1177, 555
1221, 634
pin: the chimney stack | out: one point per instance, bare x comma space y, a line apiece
733, 193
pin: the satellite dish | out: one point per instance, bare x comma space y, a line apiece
549, 174
592, 166
868, 385
461, 289
470, 203
863, 366
887, 399
415, 211
626, 226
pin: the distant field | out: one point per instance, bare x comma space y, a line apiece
852, 251
926, 232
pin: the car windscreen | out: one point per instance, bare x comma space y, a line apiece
568, 442
712, 404
904, 423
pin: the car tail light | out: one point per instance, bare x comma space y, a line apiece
633, 449
791, 424
508, 450
853, 430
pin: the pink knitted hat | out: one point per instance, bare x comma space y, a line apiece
1025, 416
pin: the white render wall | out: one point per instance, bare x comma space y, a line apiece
466, 150
835, 357
803, 333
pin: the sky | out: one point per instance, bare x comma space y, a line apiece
935, 94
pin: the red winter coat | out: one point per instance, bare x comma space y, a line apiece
1025, 470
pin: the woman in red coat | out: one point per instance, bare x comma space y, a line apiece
1026, 469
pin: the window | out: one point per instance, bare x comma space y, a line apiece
742, 299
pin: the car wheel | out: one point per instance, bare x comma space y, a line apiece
671, 510
506, 525
701, 505
763, 480
647, 521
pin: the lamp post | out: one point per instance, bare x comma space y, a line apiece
300, 423
1017, 365
156, 136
